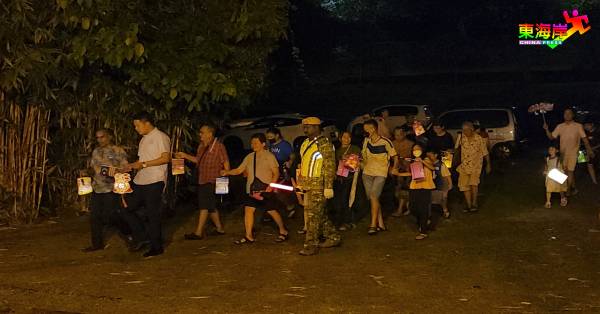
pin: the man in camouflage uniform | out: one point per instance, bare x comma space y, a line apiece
317, 173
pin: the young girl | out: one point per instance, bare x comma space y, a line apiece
443, 182
420, 190
553, 162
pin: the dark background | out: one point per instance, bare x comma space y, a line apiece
341, 63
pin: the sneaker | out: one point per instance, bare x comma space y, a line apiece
330, 243
153, 252
308, 251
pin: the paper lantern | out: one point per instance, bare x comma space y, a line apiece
557, 176
84, 185
177, 166
122, 185
352, 162
222, 186
582, 157
447, 159
417, 171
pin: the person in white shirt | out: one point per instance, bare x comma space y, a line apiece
571, 134
148, 185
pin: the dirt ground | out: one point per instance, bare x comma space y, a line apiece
513, 256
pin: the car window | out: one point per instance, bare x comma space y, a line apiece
489, 119
399, 110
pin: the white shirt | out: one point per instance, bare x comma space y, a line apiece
151, 147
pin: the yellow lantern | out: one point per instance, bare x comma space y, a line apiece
84, 185
122, 185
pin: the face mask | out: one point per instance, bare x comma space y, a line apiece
417, 153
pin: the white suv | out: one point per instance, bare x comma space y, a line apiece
500, 124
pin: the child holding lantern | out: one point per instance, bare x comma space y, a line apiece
421, 187
553, 161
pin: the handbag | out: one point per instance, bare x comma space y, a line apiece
257, 185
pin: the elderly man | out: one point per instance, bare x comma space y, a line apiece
317, 174
106, 158
571, 134
473, 149
210, 159
154, 154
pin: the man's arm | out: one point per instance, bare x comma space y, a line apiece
588, 147
548, 133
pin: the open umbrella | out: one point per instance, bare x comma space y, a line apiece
541, 108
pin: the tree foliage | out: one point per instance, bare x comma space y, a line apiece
95, 62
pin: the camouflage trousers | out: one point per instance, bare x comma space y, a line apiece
317, 221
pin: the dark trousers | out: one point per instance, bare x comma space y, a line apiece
342, 187
420, 205
150, 196
104, 211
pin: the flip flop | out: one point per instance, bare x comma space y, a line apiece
282, 237
244, 240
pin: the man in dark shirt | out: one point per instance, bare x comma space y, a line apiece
284, 153
440, 140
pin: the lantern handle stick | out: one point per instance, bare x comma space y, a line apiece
544, 117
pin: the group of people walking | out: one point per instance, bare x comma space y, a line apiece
419, 164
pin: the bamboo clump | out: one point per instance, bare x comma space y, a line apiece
23, 160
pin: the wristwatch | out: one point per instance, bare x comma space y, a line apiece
144, 165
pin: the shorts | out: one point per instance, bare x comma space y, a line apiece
373, 185
466, 180
402, 188
207, 199
569, 160
269, 203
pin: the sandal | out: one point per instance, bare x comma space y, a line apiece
379, 229
282, 237
301, 231
244, 240
372, 231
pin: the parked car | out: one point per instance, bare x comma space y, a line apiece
500, 124
399, 115
237, 139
